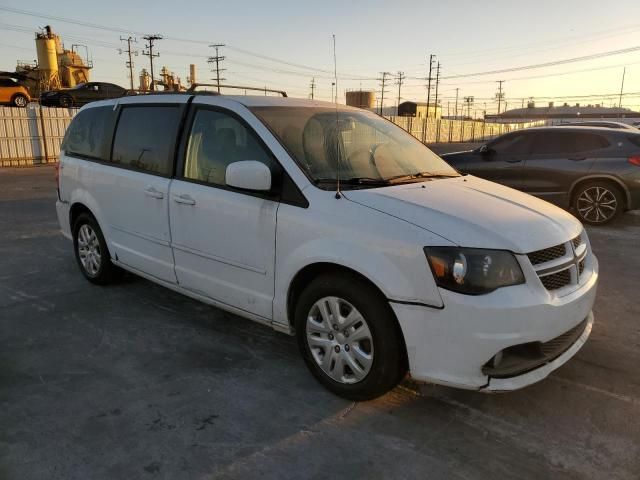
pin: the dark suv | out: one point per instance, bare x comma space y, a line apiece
81, 94
594, 171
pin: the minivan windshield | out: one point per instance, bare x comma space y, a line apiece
369, 150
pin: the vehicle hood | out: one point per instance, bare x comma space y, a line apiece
472, 212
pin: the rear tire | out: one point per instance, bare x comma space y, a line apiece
598, 202
91, 251
349, 337
19, 100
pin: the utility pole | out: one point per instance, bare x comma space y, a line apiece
455, 110
129, 52
383, 80
149, 53
435, 113
400, 81
499, 95
429, 78
622, 87
469, 102
313, 86
217, 59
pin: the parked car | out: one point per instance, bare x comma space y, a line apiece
334, 225
600, 123
12, 93
81, 94
593, 171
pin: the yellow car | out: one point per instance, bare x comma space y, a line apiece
13, 93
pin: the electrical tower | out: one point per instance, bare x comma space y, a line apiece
312, 85
500, 94
383, 80
149, 53
429, 78
129, 52
400, 81
217, 59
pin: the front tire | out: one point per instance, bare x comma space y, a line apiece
598, 203
349, 337
91, 251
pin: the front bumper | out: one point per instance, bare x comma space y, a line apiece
450, 346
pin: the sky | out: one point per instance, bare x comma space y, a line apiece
285, 45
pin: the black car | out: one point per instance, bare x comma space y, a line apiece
594, 171
81, 94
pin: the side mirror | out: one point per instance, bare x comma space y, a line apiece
486, 151
248, 175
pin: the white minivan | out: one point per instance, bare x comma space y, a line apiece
332, 224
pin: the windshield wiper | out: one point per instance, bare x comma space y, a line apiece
353, 181
414, 176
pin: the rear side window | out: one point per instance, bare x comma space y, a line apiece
635, 139
568, 142
145, 138
89, 134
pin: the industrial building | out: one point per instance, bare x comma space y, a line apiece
565, 113
419, 110
56, 66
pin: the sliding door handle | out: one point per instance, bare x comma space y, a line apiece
152, 192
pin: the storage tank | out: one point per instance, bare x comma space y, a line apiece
361, 98
46, 49
144, 80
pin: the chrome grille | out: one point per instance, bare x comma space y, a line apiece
547, 254
556, 280
577, 241
561, 265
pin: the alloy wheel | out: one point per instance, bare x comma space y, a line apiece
20, 101
340, 340
89, 250
597, 204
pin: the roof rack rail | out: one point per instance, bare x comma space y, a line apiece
193, 87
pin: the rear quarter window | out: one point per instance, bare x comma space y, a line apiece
89, 134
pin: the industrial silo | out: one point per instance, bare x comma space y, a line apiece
47, 51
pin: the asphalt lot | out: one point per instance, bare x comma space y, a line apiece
134, 381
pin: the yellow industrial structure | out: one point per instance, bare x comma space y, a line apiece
56, 67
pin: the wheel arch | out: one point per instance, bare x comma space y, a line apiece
603, 178
313, 270
77, 208
19, 94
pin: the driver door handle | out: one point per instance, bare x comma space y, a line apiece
184, 199
152, 192
514, 160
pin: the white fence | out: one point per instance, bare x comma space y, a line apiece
32, 136
449, 131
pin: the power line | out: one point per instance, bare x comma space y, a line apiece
548, 64
149, 53
217, 59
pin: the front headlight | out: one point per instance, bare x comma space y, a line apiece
473, 271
